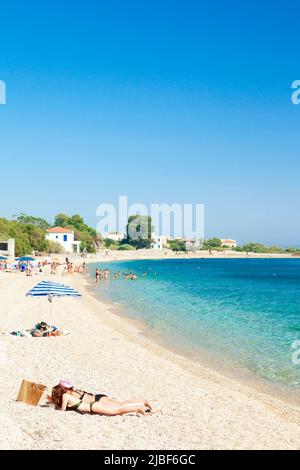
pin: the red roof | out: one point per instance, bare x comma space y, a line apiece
59, 230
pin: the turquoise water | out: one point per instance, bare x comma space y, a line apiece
243, 311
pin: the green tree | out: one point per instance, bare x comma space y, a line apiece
139, 231
212, 243
78, 222
108, 243
254, 247
29, 233
292, 249
36, 238
177, 245
61, 220
90, 239
12, 229
34, 221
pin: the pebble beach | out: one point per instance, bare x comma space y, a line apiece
197, 407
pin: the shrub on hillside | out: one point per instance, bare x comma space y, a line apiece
126, 247
54, 248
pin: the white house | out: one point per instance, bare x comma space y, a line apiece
65, 237
7, 248
191, 244
229, 243
159, 242
115, 236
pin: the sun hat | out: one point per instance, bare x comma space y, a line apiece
66, 384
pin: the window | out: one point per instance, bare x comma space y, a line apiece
65, 238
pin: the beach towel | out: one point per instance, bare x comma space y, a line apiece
40, 330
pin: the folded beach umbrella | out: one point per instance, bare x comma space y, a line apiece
52, 289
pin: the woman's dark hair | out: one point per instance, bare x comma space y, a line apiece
57, 396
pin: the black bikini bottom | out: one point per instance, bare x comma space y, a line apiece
99, 397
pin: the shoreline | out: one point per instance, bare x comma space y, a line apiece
200, 409
151, 254
136, 331
195, 361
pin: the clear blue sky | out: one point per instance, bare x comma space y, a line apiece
164, 101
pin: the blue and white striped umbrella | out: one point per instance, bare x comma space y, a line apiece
53, 289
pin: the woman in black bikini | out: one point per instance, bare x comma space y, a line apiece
70, 399
80, 394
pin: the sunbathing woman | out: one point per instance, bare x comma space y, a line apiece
69, 399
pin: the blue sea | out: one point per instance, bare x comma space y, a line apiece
244, 312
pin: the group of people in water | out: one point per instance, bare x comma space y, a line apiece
106, 275
102, 275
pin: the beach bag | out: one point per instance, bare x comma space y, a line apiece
31, 393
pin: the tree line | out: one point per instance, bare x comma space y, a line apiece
29, 233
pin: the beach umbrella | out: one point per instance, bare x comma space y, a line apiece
52, 289
25, 258
2, 258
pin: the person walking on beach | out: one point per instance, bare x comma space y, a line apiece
69, 399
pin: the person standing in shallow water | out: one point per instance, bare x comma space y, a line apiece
97, 275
